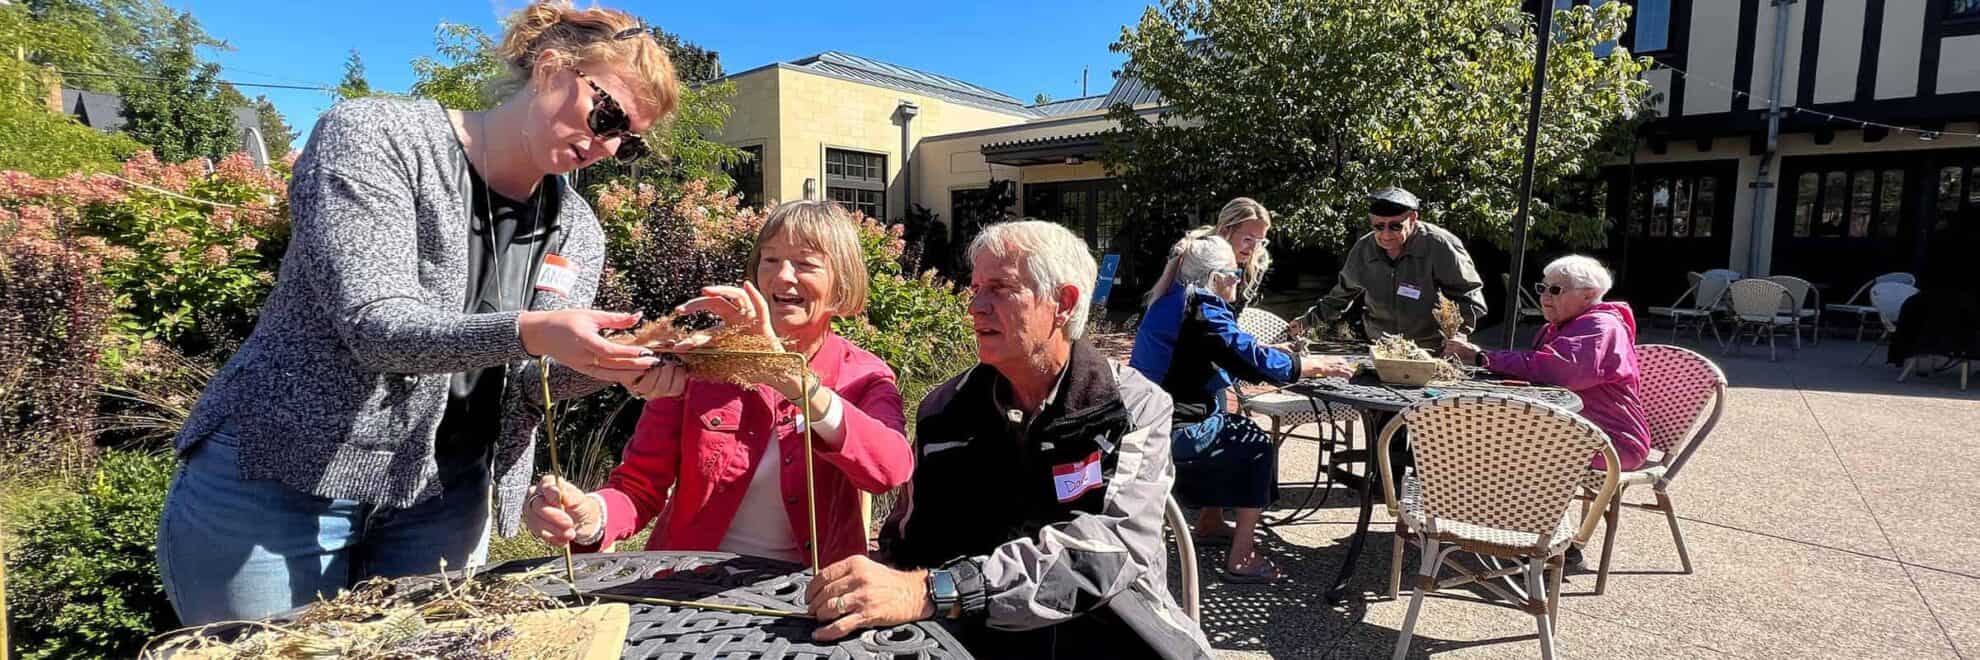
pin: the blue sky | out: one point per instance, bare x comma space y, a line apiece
1019, 47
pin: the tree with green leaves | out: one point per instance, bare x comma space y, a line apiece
1307, 104
353, 85
114, 37
177, 108
275, 131
692, 63
461, 74
33, 139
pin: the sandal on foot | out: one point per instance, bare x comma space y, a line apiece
1263, 572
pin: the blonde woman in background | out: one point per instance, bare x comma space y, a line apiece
1243, 223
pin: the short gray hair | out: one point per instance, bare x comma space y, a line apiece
1202, 257
1051, 257
1582, 272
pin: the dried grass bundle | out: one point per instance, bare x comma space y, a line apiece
708, 361
1449, 321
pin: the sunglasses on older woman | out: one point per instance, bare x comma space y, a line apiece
609, 120
1545, 289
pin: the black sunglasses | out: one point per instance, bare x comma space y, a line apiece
1545, 289
1394, 226
609, 120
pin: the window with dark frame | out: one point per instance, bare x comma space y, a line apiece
1848, 204
1683, 206
748, 175
1962, 9
858, 181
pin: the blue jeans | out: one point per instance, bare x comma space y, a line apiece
234, 549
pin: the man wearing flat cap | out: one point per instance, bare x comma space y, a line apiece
1398, 268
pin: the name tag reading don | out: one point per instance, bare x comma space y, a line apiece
1076, 478
556, 275
1409, 291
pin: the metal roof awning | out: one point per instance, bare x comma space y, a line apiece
1062, 149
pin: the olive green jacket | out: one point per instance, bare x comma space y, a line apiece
1433, 261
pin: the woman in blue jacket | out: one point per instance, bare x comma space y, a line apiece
1189, 342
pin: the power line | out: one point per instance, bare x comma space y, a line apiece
130, 76
1922, 133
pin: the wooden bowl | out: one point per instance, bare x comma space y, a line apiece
1405, 372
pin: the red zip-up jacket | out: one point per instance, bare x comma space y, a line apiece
706, 443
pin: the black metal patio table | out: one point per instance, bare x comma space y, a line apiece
679, 632
664, 631
1377, 403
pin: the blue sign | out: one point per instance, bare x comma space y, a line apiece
1108, 265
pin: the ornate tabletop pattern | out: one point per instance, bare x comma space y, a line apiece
661, 631
1368, 393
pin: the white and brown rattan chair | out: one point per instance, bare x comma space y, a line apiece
1192, 596
1762, 305
1284, 411
1705, 295
1683, 394
1859, 305
1494, 476
1807, 307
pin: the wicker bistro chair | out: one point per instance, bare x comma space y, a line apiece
1192, 598
1760, 305
1494, 476
1807, 307
1683, 395
1285, 411
1888, 299
1706, 295
1859, 305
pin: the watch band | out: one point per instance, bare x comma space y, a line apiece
942, 592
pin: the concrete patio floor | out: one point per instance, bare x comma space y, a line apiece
1830, 515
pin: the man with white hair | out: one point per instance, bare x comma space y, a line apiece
1033, 523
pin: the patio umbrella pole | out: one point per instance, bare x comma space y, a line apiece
1544, 36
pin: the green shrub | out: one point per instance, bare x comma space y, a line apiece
54, 313
83, 581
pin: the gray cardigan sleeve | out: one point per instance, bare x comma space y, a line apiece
355, 232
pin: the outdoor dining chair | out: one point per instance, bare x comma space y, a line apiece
1683, 394
1192, 596
1859, 305
1807, 303
1759, 305
1286, 411
1529, 308
1888, 299
1705, 294
1494, 476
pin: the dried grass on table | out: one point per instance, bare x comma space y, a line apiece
385, 619
1396, 347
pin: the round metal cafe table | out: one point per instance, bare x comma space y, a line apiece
662, 631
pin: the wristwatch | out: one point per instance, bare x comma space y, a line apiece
942, 590
1478, 359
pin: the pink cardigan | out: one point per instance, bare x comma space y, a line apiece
1595, 356
706, 443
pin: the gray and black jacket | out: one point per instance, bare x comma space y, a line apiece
1056, 522
339, 389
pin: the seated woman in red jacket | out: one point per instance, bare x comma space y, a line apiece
732, 457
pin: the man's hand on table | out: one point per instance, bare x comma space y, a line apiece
860, 593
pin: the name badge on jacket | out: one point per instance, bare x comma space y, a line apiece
1409, 291
556, 276
1074, 479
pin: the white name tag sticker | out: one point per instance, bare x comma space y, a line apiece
556, 275
1076, 478
1409, 291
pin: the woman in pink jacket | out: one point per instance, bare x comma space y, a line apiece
722, 466
1588, 346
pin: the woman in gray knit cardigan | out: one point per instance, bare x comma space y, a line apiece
382, 415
